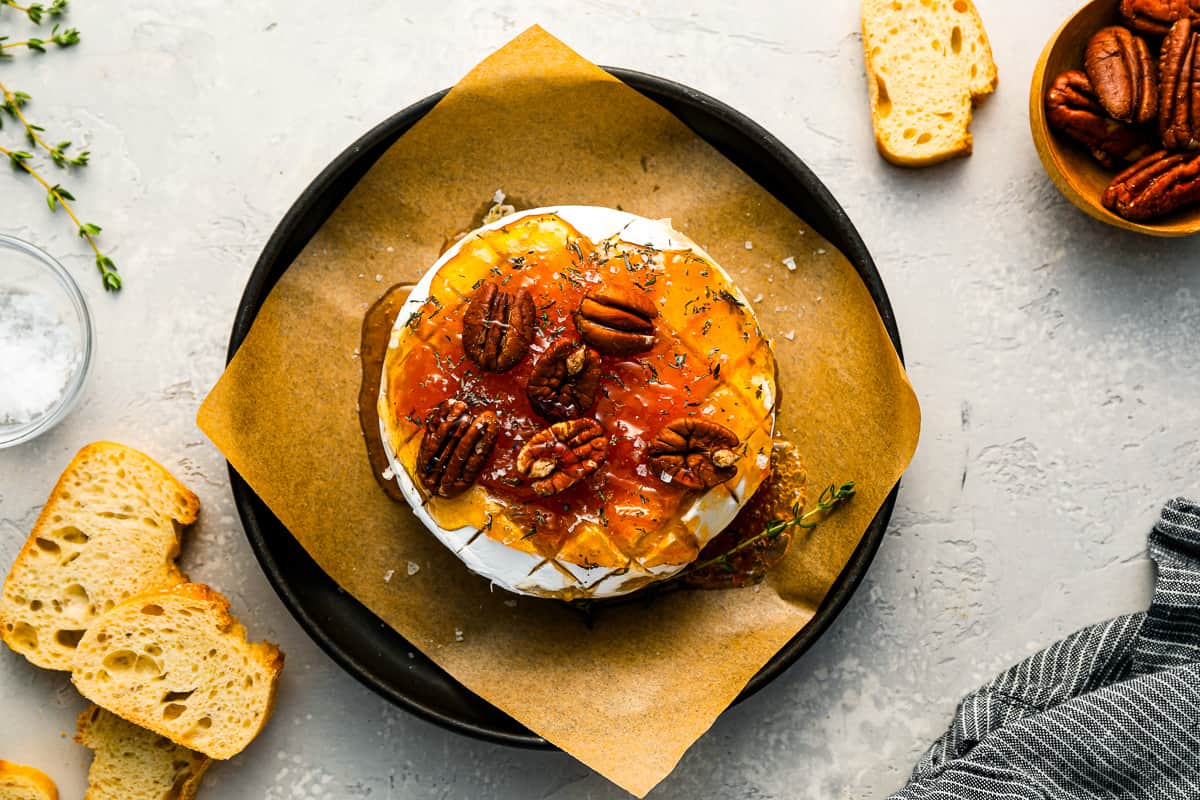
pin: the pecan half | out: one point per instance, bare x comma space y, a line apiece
1156, 185
1121, 70
695, 453
617, 320
1157, 16
564, 381
1073, 110
498, 327
560, 456
1179, 88
455, 447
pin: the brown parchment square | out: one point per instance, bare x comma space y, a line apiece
629, 695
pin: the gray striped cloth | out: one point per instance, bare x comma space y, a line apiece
1112, 711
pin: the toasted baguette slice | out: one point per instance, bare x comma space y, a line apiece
928, 63
25, 783
176, 662
109, 531
132, 763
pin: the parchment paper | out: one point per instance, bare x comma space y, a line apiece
629, 695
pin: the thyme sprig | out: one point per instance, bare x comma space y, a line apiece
37, 11
830, 497
12, 105
66, 38
57, 195
21, 160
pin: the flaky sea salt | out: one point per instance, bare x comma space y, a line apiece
413, 568
38, 355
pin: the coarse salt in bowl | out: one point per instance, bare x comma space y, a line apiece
46, 341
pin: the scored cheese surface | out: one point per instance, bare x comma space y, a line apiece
627, 525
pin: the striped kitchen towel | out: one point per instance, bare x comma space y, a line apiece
1112, 711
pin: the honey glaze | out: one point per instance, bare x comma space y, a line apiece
704, 333
376, 330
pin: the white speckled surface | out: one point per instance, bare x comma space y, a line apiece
1055, 359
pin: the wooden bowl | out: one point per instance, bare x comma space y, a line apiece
1076, 174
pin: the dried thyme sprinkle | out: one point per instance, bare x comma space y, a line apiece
614, 376
730, 298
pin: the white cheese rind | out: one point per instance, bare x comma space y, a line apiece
527, 573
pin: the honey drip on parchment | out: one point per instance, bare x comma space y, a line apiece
376, 331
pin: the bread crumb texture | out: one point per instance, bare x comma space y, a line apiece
109, 530
176, 662
18, 782
928, 63
132, 763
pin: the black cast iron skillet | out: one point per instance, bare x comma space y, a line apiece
354, 637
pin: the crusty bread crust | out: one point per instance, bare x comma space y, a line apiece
929, 63
18, 782
176, 662
110, 529
132, 763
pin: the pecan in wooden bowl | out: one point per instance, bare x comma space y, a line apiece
576, 401
1111, 111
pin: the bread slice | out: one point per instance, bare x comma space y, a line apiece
132, 763
176, 662
25, 783
928, 63
109, 530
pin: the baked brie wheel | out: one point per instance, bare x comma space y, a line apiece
575, 400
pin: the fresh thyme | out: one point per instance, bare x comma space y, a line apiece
12, 105
65, 38
36, 11
57, 196
830, 498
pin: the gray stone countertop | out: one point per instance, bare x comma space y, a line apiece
1055, 359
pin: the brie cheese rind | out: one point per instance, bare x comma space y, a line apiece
624, 527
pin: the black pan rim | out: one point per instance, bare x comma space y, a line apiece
262, 279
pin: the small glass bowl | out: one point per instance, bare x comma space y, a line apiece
30, 269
